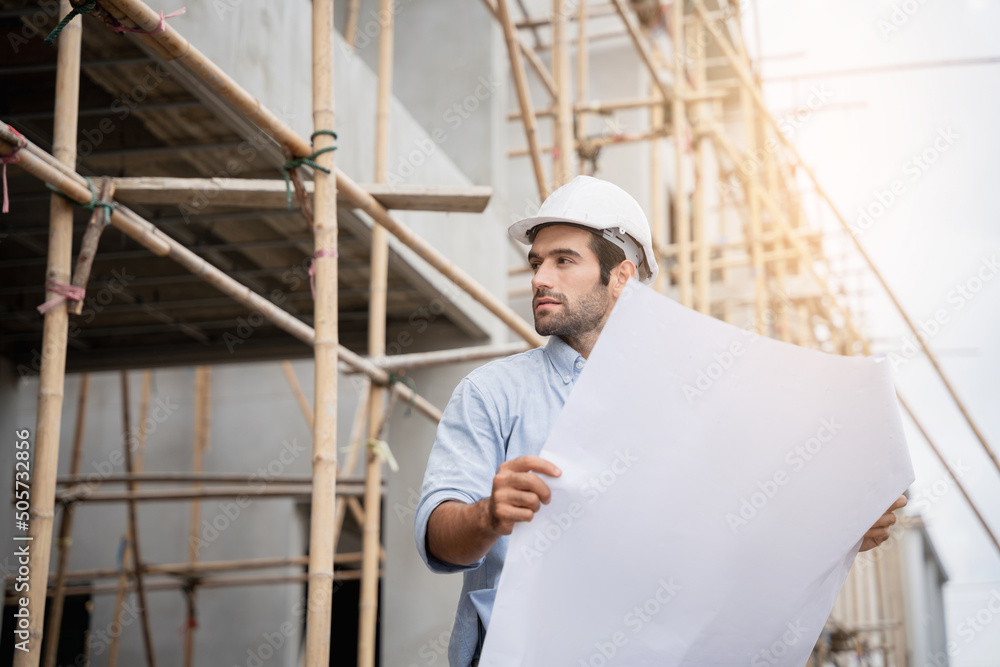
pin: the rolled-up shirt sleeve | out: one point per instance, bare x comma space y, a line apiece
467, 451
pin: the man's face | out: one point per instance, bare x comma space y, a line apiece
569, 299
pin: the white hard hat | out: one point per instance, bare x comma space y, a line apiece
604, 208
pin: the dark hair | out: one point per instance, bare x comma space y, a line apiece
608, 255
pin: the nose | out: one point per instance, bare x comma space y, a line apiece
542, 278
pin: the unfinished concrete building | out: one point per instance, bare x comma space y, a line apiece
247, 273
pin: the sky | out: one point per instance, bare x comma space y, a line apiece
908, 157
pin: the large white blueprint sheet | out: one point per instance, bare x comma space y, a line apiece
716, 485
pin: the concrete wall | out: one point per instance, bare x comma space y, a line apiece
256, 425
445, 131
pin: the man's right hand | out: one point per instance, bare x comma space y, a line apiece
518, 492
461, 534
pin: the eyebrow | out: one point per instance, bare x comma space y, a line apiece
557, 251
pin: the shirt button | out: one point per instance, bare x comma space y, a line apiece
579, 365
567, 378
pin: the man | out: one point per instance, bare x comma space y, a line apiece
483, 476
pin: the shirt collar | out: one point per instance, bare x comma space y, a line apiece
566, 361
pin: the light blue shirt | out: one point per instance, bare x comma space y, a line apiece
499, 412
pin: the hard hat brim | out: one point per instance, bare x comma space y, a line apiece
519, 231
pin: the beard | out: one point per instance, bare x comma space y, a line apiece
573, 320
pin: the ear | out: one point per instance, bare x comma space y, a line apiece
620, 275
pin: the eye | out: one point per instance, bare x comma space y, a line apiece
565, 260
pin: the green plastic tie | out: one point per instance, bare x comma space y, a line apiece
310, 160
94, 202
77, 9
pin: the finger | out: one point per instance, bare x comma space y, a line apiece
532, 464
518, 498
522, 481
885, 520
508, 515
878, 534
529, 481
900, 502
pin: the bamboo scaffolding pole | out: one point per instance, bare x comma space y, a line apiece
754, 229
41, 165
682, 225
351, 25
738, 242
93, 481
607, 106
324, 461
54, 335
733, 261
300, 396
419, 360
951, 473
582, 74
358, 430
595, 10
659, 230
378, 294
188, 569
543, 73
133, 523
123, 575
747, 84
371, 533
701, 249
778, 269
270, 193
175, 47
66, 528
165, 495
202, 441
771, 187
605, 140
514, 51
645, 50
563, 122
212, 582
88, 245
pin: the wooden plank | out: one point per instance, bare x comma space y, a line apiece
270, 193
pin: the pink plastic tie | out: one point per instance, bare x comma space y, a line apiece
160, 27
322, 252
11, 158
65, 292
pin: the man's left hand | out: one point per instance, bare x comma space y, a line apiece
879, 532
